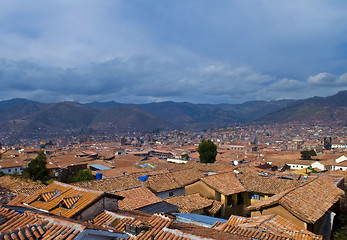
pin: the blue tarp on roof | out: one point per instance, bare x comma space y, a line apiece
99, 167
197, 219
143, 178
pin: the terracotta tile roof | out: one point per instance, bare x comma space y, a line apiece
156, 222
137, 198
14, 220
210, 167
190, 203
31, 226
216, 206
161, 183
187, 176
225, 183
64, 161
308, 201
111, 184
267, 185
117, 172
118, 220
18, 185
272, 225
10, 163
172, 180
63, 199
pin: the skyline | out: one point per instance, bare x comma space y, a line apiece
199, 52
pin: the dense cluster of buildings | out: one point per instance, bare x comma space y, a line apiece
152, 186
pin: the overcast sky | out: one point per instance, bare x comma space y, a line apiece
200, 51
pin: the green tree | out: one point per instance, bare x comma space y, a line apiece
185, 156
37, 168
208, 151
83, 175
307, 155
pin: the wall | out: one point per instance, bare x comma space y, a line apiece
297, 166
12, 170
283, 213
202, 188
102, 204
173, 192
339, 168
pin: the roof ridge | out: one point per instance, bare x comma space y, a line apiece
294, 188
237, 176
77, 188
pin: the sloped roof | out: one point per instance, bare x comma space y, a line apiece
269, 224
225, 183
188, 176
190, 203
111, 184
267, 185
308, 201
172, 180
66, 200
137, 198
18, 185
161, 183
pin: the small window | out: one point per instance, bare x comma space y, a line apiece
229, 200
170, 194
302, 166
69, 202
239, 198
254, 196
9, 170
46, 196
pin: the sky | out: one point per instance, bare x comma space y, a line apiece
199, 51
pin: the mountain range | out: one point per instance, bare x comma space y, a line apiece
26, 117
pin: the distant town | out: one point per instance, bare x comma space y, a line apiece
276, 181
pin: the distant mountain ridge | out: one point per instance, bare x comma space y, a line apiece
24, 116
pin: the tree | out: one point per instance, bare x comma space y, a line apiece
208, 151
37, 168
83, 175
307, 155
185, 156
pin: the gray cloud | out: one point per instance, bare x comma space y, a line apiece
205, 51
328, 80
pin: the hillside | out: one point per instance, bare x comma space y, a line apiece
328, 109
22, 117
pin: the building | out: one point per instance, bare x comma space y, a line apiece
311, 205
70, 201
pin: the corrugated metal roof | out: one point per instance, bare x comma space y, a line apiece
99, 167
201, 220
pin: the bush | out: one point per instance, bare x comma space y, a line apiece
83, 175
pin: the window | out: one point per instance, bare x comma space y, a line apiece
229, 200
46, 196
9, 170
170, 194
239, 198
69, 202
254, 196
217, 196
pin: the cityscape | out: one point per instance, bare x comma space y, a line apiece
181, 120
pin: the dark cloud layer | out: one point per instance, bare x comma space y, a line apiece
198, 51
